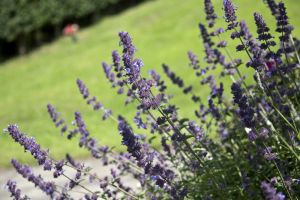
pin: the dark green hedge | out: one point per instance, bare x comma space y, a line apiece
18, 17
26, 24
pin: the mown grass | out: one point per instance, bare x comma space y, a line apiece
162, 30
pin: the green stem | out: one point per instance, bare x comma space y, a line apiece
293, 43
279, 173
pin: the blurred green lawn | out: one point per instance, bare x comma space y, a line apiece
162, 30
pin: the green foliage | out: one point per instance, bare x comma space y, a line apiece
20, 17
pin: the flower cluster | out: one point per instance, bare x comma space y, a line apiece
15, 192
26, 172
240, 146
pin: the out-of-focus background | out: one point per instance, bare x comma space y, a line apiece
41, 58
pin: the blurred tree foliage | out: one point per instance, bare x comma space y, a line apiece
22, 21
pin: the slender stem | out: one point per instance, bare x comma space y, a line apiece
96, 177
279, 173
288, 146
287, 60
85, 188
184, 140
153, 118
296, 52
190, 148
282, 116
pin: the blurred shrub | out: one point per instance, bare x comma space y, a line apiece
21, 21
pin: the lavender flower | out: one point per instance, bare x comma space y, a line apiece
263, 32
175, 79
92, 197
188, 89
107, 114
273, 7
15, 192
196, 130
205, 36
268, 155
244, 31
138, 120
214, 110
55, 118
129, 139
116, 62
48, 165
153, 103
144, 87
85, 140
82, 129
165, 146
132, 66
157, 81
72, 161
283, 25
29, 144
83, 89
270, 192
210, 54
285, 29
53, 114
126, 42
108, 73
229, 10
223, 132
222, 44
76, 179
264, 133
194, 62
210, 13
246, 113
58, 168
258, 57
26, 172
252, 136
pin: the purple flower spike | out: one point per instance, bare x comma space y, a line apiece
14, 191
194, 62
205, 36
244, 32
245, 111
270, 192
129, 139
26, 172
210, 13
229, 10
116, 61
55, 118
263, 32
83, 89
58, 168
175, 79
126, 42
196, 130
53, 114
82, 129
108, 73
273, 7
284, 28
107, 114
28, 143
260, 23
132, 66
